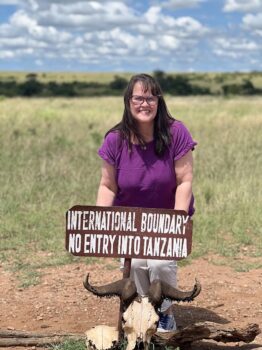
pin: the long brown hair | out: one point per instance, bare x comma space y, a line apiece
128, 126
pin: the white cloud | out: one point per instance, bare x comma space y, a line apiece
21, 42
169, 42
180, 4
88, 14
155, 23
152, 15
253, 23
21, 19
5, 54
188, 26
237, 49
233, 44
243, 5
48, 34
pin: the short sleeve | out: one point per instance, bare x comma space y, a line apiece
182, 140
108, 150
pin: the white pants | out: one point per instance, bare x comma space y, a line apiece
144, 271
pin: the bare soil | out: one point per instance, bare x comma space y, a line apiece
60, 303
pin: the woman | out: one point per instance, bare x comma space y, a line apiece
147, 162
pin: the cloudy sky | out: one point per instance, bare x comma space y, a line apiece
130, 35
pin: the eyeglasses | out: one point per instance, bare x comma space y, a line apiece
150, 100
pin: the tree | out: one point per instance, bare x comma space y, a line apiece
119, 83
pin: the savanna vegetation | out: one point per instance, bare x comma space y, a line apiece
49, 162
108, 84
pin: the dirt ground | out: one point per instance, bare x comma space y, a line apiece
60, 303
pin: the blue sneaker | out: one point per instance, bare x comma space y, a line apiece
166, 323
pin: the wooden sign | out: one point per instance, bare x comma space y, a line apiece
128, 232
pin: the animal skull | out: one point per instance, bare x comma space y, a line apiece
140, 317
140, 322
101, 337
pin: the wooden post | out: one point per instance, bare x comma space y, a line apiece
126, 274
79, 228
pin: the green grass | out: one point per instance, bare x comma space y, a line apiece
70, 345
49, 162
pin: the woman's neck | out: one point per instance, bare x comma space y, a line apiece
147, 132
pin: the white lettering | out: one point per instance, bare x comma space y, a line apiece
71, 245
178, 224
162, 253
156, 246
149, 251
119, 245
161, 223
117, 221
143, 222
130, 246
149, 222
172, 226
93, 244
136, 245
185, 220
124, 244
103, 222
108, 214
98, 220
122, 221
105, 244
156, 223
74, 216
91, 220
85, 220
184, 249
176, 247
167, 224
112, 240
145, 239
87, 243
169, 247
99, 239
77, 243
133, 222
68, 219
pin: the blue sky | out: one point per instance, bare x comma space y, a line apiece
134, 36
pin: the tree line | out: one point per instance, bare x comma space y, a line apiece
177, 85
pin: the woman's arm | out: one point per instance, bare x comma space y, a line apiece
107, 188
184, 178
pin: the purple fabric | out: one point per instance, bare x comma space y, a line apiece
144, 179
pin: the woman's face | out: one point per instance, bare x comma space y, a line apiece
143, 110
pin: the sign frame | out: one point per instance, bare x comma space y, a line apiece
128, 232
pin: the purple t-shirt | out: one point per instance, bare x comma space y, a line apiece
143, 179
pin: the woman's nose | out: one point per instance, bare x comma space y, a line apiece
145, 102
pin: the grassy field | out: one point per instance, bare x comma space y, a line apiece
48, 163
59, 77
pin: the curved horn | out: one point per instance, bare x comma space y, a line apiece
159, 290
155, 293
125, 289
